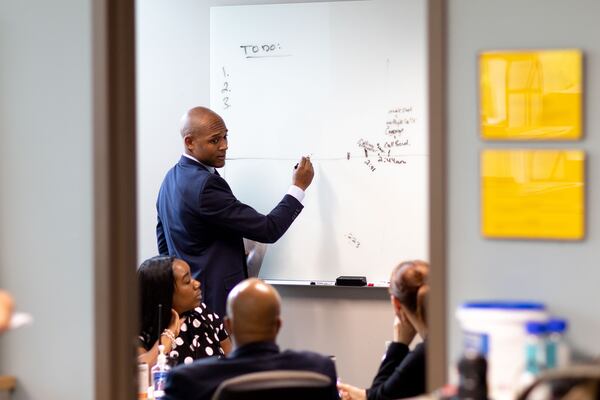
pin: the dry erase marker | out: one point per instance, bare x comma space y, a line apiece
379, 284
322, 283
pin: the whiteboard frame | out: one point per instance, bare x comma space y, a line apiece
121, 46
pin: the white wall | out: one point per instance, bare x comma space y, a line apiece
563, 275
46, 195
173, 75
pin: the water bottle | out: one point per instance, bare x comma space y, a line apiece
535, 359
558, 353
143, 381
535, 347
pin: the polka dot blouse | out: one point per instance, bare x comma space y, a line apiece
200, 335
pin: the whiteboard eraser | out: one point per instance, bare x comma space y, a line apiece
351, 281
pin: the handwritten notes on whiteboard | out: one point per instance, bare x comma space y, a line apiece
344, 82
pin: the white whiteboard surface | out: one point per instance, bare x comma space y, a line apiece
345, 83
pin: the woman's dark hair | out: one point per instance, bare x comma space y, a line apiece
408, 284
156, 286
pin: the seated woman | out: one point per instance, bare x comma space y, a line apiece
189, 330
402, 372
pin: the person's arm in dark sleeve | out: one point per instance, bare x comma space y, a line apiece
220, 207
163, 249
401, 374
396, 352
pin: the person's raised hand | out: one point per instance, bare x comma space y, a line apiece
6, 309
349, 392
175, 323
303, 173
404, 332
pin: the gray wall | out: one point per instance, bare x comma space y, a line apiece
563, 275
173, 75
46, 195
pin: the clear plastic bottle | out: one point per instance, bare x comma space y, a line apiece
558, 353
535, 359
535, 347
159, 373
143, 381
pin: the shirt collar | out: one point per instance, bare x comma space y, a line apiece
208, 167
251, 349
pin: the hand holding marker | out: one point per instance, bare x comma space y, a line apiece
303, 173
307, 157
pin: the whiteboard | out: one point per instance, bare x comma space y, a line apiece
344, 82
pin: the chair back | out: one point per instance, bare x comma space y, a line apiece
575, 382
279, 384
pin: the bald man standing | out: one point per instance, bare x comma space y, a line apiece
253, 321
202, 222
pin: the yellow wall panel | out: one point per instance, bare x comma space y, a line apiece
528, 95
536, 194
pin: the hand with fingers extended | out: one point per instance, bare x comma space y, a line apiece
168, 336
349, 392
303, 173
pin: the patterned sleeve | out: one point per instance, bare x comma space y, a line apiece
214, 321
217, 324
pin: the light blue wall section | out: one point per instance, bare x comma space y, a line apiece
46, 202
563, 275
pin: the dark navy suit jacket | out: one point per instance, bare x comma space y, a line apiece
199, 380
201, 222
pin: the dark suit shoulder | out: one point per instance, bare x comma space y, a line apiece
311, 361
308, 355
181, 383
188, 182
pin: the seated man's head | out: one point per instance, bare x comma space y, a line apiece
253, 308
205, 136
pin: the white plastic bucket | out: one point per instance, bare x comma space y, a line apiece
496, 329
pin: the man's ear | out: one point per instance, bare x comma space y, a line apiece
228, 325
278, 325
188, 140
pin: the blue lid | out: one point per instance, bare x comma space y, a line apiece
558, 325
535, 327
505, 305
